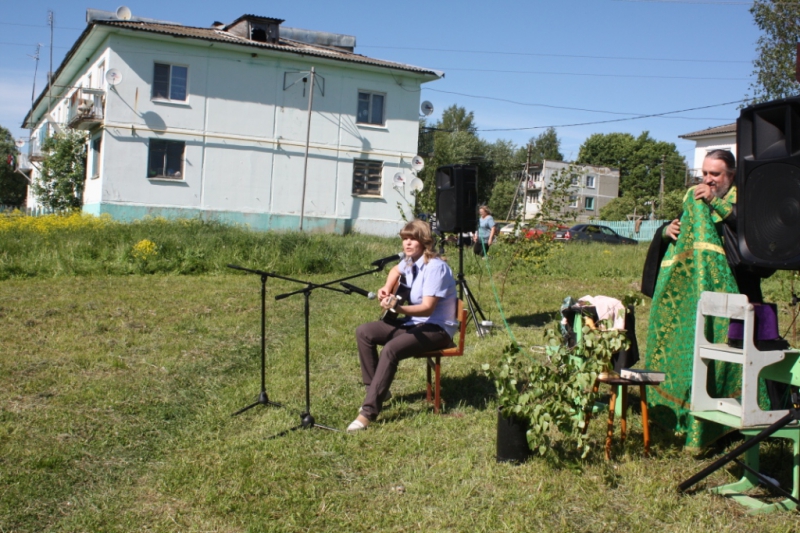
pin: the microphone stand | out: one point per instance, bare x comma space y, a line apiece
306, 418
263, 398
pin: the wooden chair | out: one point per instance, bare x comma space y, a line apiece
434, 358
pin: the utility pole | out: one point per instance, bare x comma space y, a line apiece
661, 186
527, 177
51, 18
519, 186
308, 142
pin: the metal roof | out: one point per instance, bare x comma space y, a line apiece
283, 45
217, 34
719, 130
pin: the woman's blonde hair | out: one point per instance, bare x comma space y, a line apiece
485, 208
421, 232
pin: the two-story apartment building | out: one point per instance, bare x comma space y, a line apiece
592, 188
215, 122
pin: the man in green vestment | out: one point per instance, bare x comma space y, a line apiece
694, 260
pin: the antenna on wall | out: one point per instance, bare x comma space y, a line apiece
124, 13
113, 76
426, 108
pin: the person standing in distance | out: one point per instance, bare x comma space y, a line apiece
486, 231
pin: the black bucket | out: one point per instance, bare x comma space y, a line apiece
512, 443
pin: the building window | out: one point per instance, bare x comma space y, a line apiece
165, 159
96, 145
169, 82
574, 178
590, 182
588, 203
370, 108
573, 201
367, 177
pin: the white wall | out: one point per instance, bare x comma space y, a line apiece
706, 144
245, 134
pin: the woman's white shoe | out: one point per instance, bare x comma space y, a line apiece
356, 425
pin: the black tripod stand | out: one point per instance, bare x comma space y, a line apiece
792, 416
263, 399
463, 288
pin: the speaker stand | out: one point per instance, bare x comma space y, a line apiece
463, 290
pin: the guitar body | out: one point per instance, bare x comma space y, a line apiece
402, 293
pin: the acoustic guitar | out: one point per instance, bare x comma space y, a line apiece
401, 293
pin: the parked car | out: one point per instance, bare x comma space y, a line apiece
511, 230
541, 229
592, 233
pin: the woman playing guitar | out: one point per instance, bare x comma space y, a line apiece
429, 322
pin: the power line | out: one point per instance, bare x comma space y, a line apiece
529, 104
613, 120
589, 75
689, 2
39, 26
530, 54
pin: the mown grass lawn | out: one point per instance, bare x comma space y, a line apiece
116, 394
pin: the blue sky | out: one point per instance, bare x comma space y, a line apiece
570, 61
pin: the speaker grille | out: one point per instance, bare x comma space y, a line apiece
772, 208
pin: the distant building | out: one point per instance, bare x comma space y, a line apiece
593, 188
721, 137
212, 122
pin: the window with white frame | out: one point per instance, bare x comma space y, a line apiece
574, 179
165, 159
367, 177
573, 201
97, 143
590, 182
170, 82
588, 203
370, 108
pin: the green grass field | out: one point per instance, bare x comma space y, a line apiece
117, 388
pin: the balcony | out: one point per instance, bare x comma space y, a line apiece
86, 112
35, 154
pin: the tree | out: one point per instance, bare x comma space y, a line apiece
774, 65
61, 183
620, 208
457, 119
13, 186
546, 146
639, 160
502, 198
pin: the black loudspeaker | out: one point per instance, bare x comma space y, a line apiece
768, 184
457, 198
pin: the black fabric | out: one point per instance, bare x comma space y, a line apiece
652, 263
748, 278
621, 359
628, 358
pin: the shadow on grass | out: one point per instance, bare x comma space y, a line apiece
473, 390
537, 320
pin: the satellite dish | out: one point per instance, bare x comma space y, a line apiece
417, 163
416, 185
20, 143
124, 13
113, 76
399, 179
427, 108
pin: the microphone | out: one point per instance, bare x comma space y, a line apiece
358, 290
380, 263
